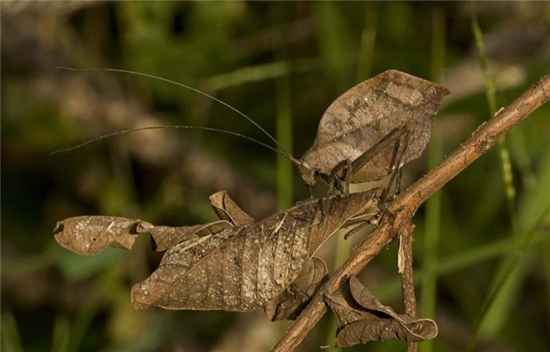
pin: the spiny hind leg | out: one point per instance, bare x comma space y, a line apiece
373, 151
339, 177
399, 150
342, 172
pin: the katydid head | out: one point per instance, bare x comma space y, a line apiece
307, 173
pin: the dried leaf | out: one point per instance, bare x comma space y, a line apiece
89, 235
362, 318
292, 301
242, 268
228, 210
166, 237
362, 116
295, 298
373, 328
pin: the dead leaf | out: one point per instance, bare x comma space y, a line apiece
366, 113
293, 300
228, 210
362, 318
220, 266
296, 297
88, 235
166, 237
242, 268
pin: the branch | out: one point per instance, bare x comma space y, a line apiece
406, 269
406, 204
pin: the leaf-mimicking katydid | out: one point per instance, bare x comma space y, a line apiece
367, 133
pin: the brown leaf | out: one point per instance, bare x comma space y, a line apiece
89, 235
228, 210
242, 268
373, 328
295, 298
362, 318
366, 113
166, 237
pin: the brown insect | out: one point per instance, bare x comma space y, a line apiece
367, 133
372, 129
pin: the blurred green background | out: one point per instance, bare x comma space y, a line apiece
482, 251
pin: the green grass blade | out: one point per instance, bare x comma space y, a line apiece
547, 274
11, 340
475, 256
61, 333
490, 95
248, 74
433, 205
534, 216
284, 125
500, 294
368, 41
335, 42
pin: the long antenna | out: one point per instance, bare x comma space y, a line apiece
284, 152
167, 127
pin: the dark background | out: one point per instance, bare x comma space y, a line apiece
282, 64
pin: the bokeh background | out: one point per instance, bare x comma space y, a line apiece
482, 251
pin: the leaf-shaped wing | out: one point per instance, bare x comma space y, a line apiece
242, 268
362, 318
364, 114
89, 235
294, 299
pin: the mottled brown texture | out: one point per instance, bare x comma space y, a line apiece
365, 114
235, 264
242, 268
362, 318
166, 237
88, 235
228, 210
293, 300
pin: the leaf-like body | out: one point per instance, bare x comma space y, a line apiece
364, 114
242, 268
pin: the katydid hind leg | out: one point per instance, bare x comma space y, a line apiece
385, 193
368, 155
348, 168
397, 156
398, 181
339, 176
